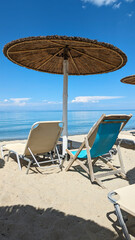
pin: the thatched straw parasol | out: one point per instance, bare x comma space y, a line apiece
129, 80
68, 55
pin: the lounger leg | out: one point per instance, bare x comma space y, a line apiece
74, 157
33, 157
2, 154
28, 167
51, 157
59, 159
112, 167
18, 160
120, 159
121, 221
89, 161
17, 157
71, 160
90, 165
8, 156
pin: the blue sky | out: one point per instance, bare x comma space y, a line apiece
111, 21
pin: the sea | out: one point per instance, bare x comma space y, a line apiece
16, 125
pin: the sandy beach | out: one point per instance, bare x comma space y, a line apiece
54, 204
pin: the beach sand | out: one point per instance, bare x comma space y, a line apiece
59, 205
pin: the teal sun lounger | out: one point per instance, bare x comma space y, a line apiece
97, 144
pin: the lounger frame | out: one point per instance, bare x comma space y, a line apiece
31, 157
91, 162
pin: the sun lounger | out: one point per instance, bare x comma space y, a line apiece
126, 201
97, 144
42, 141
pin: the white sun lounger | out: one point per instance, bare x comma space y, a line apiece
42, 141
126, 201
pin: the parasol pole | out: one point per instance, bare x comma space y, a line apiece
65, 102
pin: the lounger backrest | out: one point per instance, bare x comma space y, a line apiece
105, 133
43, 137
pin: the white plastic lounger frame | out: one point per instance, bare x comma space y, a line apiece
125, 201
42, 140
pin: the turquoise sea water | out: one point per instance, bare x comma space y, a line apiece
17, 124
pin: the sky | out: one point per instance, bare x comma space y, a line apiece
110, 21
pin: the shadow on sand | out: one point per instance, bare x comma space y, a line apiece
131, 176
26, 223
129, 219
2, 163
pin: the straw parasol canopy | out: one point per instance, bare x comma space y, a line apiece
129, 80
46, 54
65, 55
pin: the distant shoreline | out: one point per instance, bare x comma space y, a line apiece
60, 110
127, 133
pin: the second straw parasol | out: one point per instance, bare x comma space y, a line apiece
129, 79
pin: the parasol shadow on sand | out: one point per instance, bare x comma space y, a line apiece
65, 55
27, 222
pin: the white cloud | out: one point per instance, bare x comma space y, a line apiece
117, 5
19, 101
100, 2
51, 102
14, 102
130, 14
94, 99
83, 6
